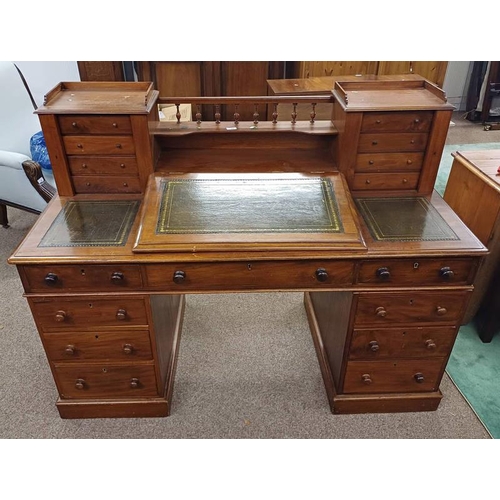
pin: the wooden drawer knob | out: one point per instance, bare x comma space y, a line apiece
115, 125
373, 345
119, 146
121, 314
383, 273
419, 378
61, 316
84, 165
430, 344
409, 162
117, 278
381, 312
79, 146
70, 350
405, 181
80, 384
378, 122
321, 274
51, 279
374, 143
74, 124
134, 383
446, 273
122, 165
416, 120
368, 181
366, 379
441, 311
371, 162
128, 349
179, 277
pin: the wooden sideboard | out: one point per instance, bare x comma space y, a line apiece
245, 206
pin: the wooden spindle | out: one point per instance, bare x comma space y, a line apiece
198, 114
294, 113
217, 113
178, 114
256, 114
275, 112
236, 115
313, 112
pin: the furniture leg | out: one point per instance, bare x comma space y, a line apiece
4, 221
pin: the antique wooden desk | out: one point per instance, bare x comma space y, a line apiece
342, 209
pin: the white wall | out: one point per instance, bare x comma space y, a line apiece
42, 76
456, 83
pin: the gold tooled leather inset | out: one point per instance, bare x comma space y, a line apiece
91, 224
404, 219
202, 206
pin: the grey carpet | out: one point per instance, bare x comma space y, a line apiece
247, 369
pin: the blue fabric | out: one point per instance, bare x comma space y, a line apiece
39, 152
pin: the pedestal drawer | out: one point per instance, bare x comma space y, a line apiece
392, 142
99, 144
389, 162
95, 124
406, 121
419, 375
103, 165
117, 345
416, 342
54, 278
106, 184
410, 307
396, 180
92, 312
110, 381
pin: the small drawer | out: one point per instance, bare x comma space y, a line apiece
89, 278
389, 162
108, 381
414, 121
118, 345
394, 180
419, 375
99, 145
250, 275
92, 312
106, 184
95, 124
103, 165
419, 342
436, 306
374, 143
407, 272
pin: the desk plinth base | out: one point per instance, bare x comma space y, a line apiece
363, 403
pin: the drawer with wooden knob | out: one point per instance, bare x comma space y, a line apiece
256, 275
106, 184
110, 381
374, 143
99, 144
103, 165
407, 272
432, 306
95, 124
402, 121
413, 342
389, 162
418, 375
394, 181
55, 278
116, 345
90, 312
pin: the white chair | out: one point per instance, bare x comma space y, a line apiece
22, 183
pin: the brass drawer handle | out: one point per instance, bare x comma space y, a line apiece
128, 349
430, 344
321, 274
446, 273
383, 273
366, 379
419, 378
121, 314
373, 345
51, 279
70, 350
80, 384
381, 312
61, 316
134, 383
441, 311
117, 278
179, 277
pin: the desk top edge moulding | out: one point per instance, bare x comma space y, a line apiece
341, 209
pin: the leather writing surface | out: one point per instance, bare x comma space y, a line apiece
202, 206
91, 223
404, 219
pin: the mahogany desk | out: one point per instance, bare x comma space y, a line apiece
342, 209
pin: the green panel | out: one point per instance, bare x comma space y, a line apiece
404, 219
91, 224
201, 206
